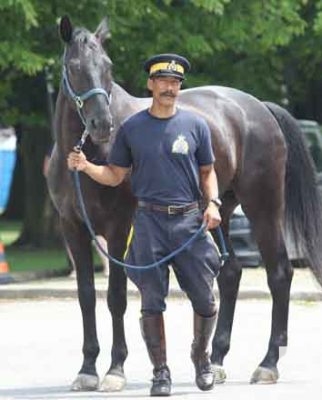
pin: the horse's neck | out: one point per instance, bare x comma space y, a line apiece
68, 126
124, 105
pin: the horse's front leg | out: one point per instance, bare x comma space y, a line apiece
279, 277
114, 379
80, 251
228, 285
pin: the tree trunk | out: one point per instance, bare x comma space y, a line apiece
39, 219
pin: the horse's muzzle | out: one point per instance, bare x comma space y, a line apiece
99, 128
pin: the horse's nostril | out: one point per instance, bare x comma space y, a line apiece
93, 123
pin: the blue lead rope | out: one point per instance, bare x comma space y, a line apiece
223, 257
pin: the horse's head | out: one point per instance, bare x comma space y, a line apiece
87, 77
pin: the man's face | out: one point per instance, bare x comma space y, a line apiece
164, 89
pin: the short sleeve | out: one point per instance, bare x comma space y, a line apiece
204, 153
121, 152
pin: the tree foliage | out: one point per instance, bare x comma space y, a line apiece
232, 42
269, 48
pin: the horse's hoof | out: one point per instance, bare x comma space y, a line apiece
85, 382
219, 373
264, 375
113, 383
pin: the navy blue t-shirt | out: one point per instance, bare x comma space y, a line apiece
165, 155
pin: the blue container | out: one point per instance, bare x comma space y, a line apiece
7, 164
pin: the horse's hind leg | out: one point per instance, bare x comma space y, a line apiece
228, 285
80, 250
114, 379
279, 277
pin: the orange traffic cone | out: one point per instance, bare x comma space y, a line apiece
4, 266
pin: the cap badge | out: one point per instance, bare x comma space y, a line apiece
172, 66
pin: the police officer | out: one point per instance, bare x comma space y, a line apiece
169, 151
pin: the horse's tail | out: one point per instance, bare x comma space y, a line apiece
303, 202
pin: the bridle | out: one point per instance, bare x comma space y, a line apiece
79, 100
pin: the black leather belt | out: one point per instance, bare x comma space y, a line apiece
170, 210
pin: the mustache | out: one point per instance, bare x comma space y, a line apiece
167, 93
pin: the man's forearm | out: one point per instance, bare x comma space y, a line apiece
111, 175
209, 184
104, 174
209, 187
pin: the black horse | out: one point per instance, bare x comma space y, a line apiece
261, 163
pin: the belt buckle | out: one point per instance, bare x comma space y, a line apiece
172, 210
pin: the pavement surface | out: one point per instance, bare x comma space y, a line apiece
41, 342
46, 284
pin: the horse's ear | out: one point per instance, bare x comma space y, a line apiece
66, 29
103, 31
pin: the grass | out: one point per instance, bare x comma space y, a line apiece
33, 260
9, 231
25, 260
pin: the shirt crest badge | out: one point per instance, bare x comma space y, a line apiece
180, 145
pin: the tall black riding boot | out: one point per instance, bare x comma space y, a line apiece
203, 329
152, 328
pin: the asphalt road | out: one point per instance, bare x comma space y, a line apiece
40, 351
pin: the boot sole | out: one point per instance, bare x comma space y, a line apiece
160, 394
